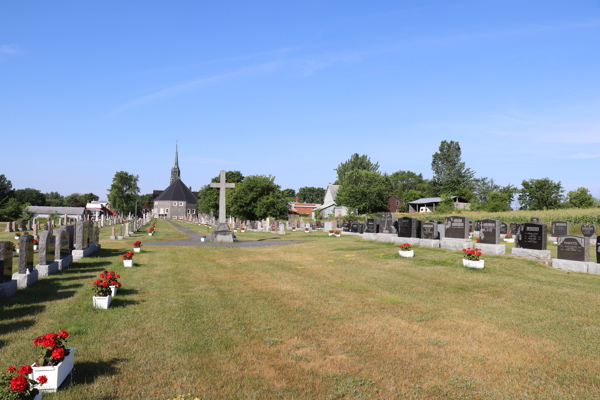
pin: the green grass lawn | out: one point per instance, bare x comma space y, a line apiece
327, 318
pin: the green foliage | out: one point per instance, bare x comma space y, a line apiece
313, 195
540, 194
11, 211
410, 186
450, 174
54, 199
446, 206
355, 162
364, 191
6, 190
208, 197
497, 201
288, 193
32, 196
580, 198
257, 197
25, 213
123, 192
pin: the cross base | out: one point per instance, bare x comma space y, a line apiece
222, 236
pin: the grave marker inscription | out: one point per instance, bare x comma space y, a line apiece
490, 231
457, 227
532, 236
588, 230
429, 230
560, 228
409, 227
574, 248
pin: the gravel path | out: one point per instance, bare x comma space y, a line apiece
196, 236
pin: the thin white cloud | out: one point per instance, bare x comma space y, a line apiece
9, 49
584, 156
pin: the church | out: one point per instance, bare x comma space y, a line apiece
177, 201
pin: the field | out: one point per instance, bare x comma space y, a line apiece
327, 318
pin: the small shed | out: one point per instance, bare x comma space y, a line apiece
429, 204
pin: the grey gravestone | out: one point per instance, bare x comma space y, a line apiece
588, 230
409, 227
478, 225
223, 235
355, 227
312, 226
387, 223
470, 226
319, 225
457, 227
514, 228
536, 220
47, 248
81, 235
490, 231
346, 226
62, 244
574, 248
371, 227
237, 224
22, 225
429, 230
532, 236
441, 228
503, 228
560, 228
6, 261
26, 254
71, 231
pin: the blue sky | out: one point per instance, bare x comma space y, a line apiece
292, 89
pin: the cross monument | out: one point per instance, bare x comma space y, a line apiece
222, 185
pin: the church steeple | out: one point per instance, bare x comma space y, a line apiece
175, 173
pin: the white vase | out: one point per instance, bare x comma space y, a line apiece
406, 253
137, 249
18, 251
305, 231
242, 231
509, 240
338, 235
55, 374
473, 264
35, 247
17, 237
330, 234
101, 302
113, 290
128, 263
149, 234
235, 230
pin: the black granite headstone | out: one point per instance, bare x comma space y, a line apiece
429, 230
598, 249
354, 227
457, 227
532, 236
470, 226
560, 228
370, 227
409, 227
574, 248
319, 225
503, 228
361, 228
490, 231
588, 230
6, 261
478, 225
346, 226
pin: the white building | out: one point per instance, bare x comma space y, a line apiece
329, 207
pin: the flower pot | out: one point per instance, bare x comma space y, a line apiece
338, 235
128, 263
149, 234
17, 237
330, 234
15, 253
137, 249
235, 230
242, 231
114, 290
18, 251
101, 302
55, 374
305, 231
510, 240
473, 264
406, 253
293, 229
35, 247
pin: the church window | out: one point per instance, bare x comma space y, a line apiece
181, 203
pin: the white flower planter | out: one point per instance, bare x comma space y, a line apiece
235, 230
101, 302
305, 231
293, 229
35, 247
137, 249
330, 234
408, 254
114, 290
338, 235
17, 237
149, 234
509, 240
18, 251
55, 374
242, 231
473, 264
128, 263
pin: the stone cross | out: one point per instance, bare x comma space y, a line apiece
222, 185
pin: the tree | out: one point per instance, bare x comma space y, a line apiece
32, 196
54, 199
25, 213
355, 162
89, 197
289, 193
450, 175
580, 198
208, 197
75, 200
497, 201
364, 191
6, 190
257, 197
311, 194
123, 192
482, 187
540, 194
11, 211
407, 184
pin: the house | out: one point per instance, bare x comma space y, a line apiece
98, 208
77, 213
394, 204
329, 207
430, 203
302, 208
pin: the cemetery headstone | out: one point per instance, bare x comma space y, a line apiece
355, 226
26, 254
409, 227
457, 227
62, 244
588, 230
490, 231
22, 225
503, 228
370, 227
535, 220
346, 226
470, 226
478, 225
319, 224
514, 228
532, 236
81, 235
5, 261
429, 230
47, 248
387, 223
598, 249
361, 228
560, 228
574, 248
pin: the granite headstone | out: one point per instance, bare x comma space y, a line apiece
532, 236
429, 230
574, 248
588, 230
409, 227
457, 227
490, 231
47, 247
6, 261
25, 254
560, 228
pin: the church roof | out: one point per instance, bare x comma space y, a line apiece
179, 192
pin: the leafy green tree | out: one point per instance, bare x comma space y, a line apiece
11, 210
123, 192
54, 199
75, 200
208, 197
32, 196
89, 197
540, 194
497, 201
408, 181
257, 197
446, 205
450, 176
6, 190
25, 213
311, 194
580, 198
289, 193
355, 162
364, 191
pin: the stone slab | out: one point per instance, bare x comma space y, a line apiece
46, 269
113, 237
569, 265
435, 243
221, 237
79, 254
491, 249
64, 263
455, 244
593, 268
540, 255
410, 240
8, 289
25, 280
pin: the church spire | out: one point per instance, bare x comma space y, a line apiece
175, 172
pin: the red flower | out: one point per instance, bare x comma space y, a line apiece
58, 354
478, 254
478, 240
25, 369
101, 275
63, 334
38, 341
12, 369
42, 379
109, 276
113, 283
19, 384
50, 343
105, 284
118, 276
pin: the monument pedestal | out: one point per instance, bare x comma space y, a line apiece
46, 269
64, 263
576, 266
538, 255
222, 234
25, 280
435, 243
491, 249
456, 244
8, 289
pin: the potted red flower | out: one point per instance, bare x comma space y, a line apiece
509, 238
14, 248
306, 230
406, 250
338, 233
330, 232
55, 361
137, 246
127, 259
17, 247
112, 278
478, 240
36, 243
103, 293
150, 231
242, 228
17, 236
15, 384
471, 258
